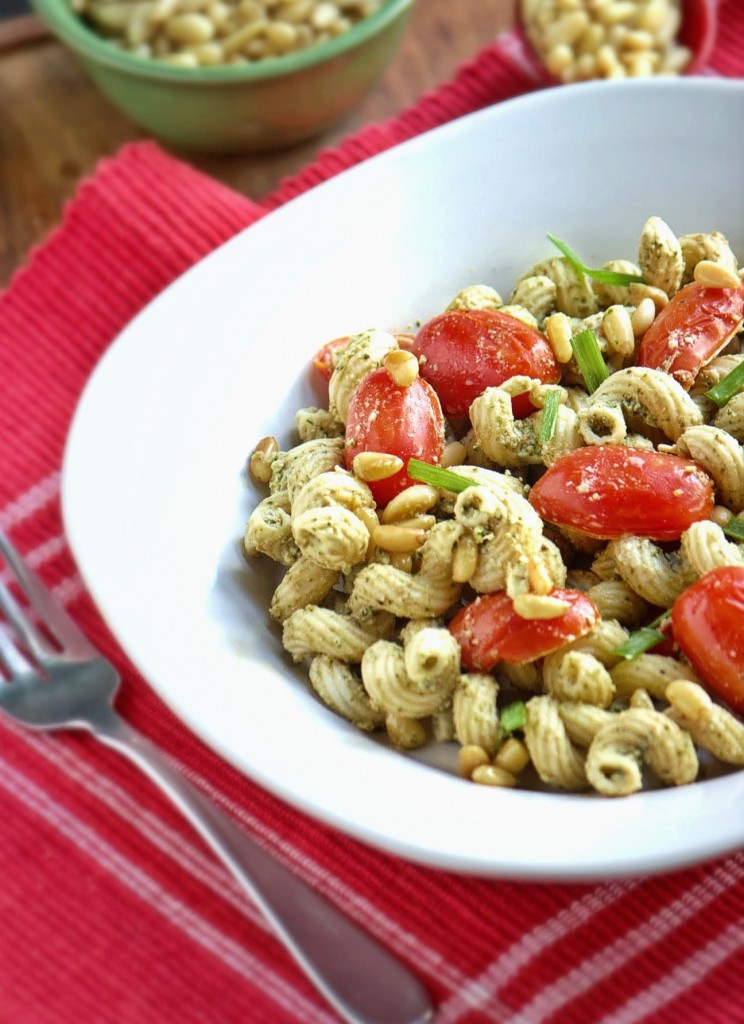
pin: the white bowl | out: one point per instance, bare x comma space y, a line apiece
154, 497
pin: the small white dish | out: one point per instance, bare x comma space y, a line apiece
154, 496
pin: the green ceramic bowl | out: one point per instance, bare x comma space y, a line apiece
238, 108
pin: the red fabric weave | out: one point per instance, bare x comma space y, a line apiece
111, 910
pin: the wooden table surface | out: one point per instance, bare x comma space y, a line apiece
55, 125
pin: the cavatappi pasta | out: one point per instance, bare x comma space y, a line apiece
369, 589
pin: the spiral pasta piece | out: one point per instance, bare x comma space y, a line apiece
432, 658
712, 727
635, 736
583, 679
508, 532
475, 717
342, 691
582, 721
652, 395
314, 424
428, 593
700, 246
512, 442
315, 630
649, 672
706, 547
556, 760
269, 530
721, 456
391, 689
600, 642
658, 576
616, 600
305, 582
660, 256
731, 418
291, 470
574, 295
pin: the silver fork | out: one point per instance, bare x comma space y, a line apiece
68, 684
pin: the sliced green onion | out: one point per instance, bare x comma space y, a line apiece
549, 416
597, 274
592, 366
438, 477
734, 528
512, 716
643, 639
725, 389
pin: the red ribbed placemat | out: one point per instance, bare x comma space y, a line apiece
111, 910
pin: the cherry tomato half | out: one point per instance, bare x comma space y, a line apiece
707, 623
489, 630
608, 490
691, 330
464, 351
402, 421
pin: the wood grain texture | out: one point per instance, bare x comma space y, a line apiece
56, 126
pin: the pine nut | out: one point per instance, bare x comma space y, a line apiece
618, 330
411, 502
491, 775
642, 317
402, 366
369, 517
281, 35
454, 454
567, 29
324, 16
559, 58
558, 331
538, 577
398, 538
190, 29
721, 515
259, 464
422, 522
714, 275
539, 606
464, 559
469, 758
401, 560
370, 466
637, 292
513, 756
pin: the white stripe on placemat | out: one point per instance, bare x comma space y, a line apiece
610, 958
232, 954
26, 504
482, 992
613, 958
682, 977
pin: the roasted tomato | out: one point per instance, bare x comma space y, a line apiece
489, 630
691, 330
608, 490
404, 421
707, 624
323, 360
464, 351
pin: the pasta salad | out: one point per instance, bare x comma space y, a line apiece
516, 528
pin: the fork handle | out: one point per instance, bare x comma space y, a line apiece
362, 981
